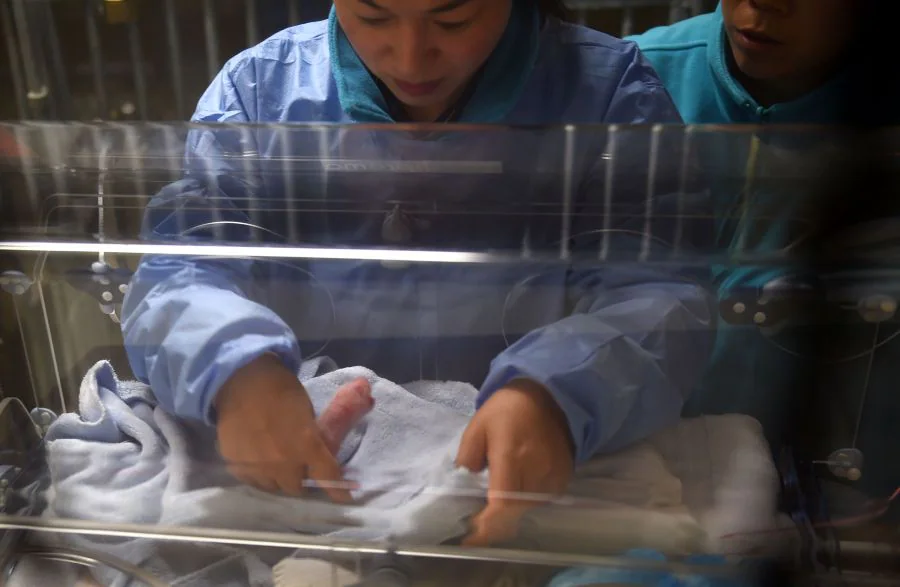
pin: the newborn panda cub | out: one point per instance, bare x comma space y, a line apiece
350, 404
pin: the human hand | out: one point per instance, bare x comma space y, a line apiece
524, 435
269, 436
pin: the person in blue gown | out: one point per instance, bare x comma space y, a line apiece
570, 360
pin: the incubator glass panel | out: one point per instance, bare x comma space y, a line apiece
659, 284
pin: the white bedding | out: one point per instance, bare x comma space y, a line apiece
686, 490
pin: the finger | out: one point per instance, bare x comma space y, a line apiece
326, 472
291, 480
254, 477
472, 453
493, 525
504, 481
241, 473
499, 521
247, 474
349, 405
268, 484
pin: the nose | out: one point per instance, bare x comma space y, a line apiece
776, 6
413, 53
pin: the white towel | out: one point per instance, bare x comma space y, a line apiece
305, 572
122, 459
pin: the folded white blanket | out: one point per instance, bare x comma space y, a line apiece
122, 459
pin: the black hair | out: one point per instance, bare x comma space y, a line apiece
554, 8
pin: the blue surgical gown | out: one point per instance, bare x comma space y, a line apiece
619, 346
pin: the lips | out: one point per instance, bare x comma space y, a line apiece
755, 40
418, 89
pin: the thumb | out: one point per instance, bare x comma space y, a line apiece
473, 448
349, 405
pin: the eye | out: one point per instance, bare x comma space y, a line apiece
454, 26
376, 21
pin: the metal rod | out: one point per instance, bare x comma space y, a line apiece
34, 391
15, 67
293, 11
249, 158
686, 145
747, 194
325, 149
568, 190
250, 251
865, 390
36, 87
93, 35
174, 57
696, 7
27, 165
132, 144
212, 38
324, 544
627, 21
174, 144
63, 97
676, 10
101, 147
245, 251
55, 148
652, 164
252, 25
93, 560
54, 360
137, 65
609, 185
289, 186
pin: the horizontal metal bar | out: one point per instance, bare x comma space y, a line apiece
324, 544
261, 251
253, 252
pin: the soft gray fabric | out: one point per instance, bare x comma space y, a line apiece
122, 459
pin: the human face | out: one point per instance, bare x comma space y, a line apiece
789, 47
424, 51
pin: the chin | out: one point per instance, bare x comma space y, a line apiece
418, 102
758, 70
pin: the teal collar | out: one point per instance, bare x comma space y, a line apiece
497, 92
822, 105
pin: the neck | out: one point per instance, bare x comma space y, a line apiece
778, 91
434, 112
423, 113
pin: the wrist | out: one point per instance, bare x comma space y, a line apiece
264, 374
534, 390
546, 402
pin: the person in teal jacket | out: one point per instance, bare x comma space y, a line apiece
779, 62
757, 61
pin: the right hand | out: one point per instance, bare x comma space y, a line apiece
269, 436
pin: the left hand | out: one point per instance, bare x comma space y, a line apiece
524, 435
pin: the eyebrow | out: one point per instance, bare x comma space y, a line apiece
448, 6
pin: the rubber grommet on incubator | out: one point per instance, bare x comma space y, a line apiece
845, 463
877, 308
15, 282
